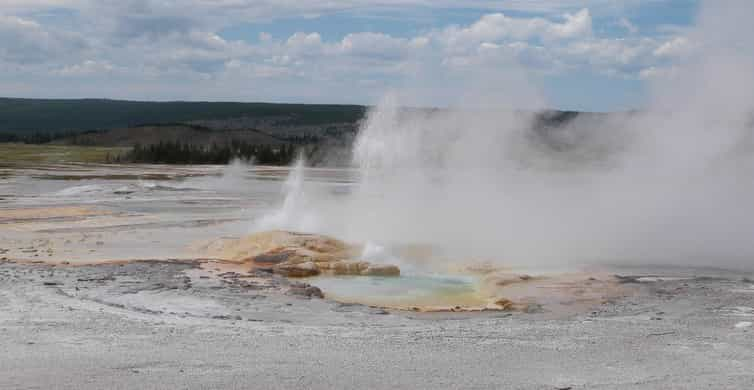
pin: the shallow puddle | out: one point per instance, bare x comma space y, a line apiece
404, 292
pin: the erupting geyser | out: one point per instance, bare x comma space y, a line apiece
480, 181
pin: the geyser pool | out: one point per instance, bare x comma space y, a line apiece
407, 291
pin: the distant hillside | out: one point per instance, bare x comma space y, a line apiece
27, 116
206, 132
114, 123
153, 134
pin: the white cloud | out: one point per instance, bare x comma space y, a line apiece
377, 45
610, 51
654, 72
305, 44
578, 24
23, 6
254, 10
25, 41
676, 47
496, 27
86, 68
264, 71
155, 43
626, 24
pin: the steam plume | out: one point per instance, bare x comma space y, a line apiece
673, 183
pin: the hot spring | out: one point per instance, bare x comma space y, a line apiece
424, 291
492, 178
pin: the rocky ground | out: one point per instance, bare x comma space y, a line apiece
188, 325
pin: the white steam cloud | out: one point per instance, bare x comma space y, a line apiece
671, 184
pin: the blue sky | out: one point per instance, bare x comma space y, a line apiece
596, 55
416, 20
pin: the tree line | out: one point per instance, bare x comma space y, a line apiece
177, 152
39, 137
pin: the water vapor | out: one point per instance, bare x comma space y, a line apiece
672, 183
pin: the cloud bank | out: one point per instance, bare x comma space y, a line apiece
151, 49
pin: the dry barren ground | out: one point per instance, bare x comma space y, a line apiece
158, 325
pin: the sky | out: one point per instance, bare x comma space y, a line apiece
591, 55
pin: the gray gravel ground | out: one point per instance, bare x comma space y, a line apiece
160, 325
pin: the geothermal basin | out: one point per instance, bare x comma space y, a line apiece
102, 271
96, 214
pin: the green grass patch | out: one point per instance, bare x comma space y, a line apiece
14, 153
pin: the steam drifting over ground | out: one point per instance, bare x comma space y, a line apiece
670, 184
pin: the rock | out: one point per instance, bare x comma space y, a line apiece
307, 291
300, 270
533, 308
505, 304
483, 268
273, 258
381, 270
501, 279
314, 291
627, 279
250, 285
508, 305
349, 267
96, 279
272, 245
322, 244
293, 254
